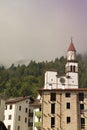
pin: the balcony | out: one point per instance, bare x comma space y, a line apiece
38, 114
37, 124
30, 124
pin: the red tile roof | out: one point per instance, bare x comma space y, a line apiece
71, 47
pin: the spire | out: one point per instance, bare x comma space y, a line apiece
71, 47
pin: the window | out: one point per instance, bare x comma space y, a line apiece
18, 128
71, 68
19, 108
25, 119
81, 96
68, 105
81, 106
52, 108
10, 107
19, 118
52, 122
9, 127
9, 117
82, 120
53, 97
26, 110
74, 68
68, 119
40, 109
67, 95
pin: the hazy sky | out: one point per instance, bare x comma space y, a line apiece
41, 29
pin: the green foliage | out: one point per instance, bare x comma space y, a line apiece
24, 80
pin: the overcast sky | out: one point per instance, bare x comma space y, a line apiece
41, 29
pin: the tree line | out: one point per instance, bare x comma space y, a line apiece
23, 80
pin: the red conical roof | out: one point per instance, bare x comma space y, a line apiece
71, 47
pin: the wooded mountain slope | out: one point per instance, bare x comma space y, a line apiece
25, 80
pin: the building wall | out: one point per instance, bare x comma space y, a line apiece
45, 111
50, 80
9, 116
67, 114
2, 108
22, 114
17, 117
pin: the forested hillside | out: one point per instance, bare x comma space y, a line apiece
24, 80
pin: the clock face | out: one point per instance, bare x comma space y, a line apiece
62, 80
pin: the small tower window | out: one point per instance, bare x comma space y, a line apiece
74, 68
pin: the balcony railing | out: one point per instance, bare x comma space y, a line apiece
38, 113
82, 126
30, 114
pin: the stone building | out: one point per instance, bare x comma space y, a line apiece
64, 104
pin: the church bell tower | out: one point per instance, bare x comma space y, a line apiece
72, 67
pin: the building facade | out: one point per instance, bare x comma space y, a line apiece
64, 109
17, 113
64, 104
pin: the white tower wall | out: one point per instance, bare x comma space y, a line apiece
50, 80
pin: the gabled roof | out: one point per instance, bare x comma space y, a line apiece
18, 99
71, 47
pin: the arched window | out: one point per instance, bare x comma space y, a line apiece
74, 68
71, 68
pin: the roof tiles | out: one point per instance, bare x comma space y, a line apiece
71, 47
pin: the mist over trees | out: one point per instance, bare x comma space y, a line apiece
25, 80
